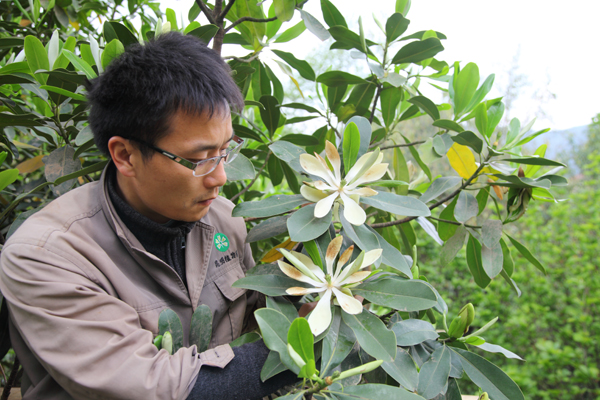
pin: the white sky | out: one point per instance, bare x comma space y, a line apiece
555, 43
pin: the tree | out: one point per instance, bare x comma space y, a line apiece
333, 225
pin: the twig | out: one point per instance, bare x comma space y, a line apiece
439, 203
455, 223
226, 9
11, 379
206, 12
402, 145
375, 104
244, 190
243, 60
249, 19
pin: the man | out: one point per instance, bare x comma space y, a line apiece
87, 277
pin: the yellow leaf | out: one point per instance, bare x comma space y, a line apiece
31, 165
462, 160
24, 145
74, 24
274, 255
24, 22
297, 85
489, 170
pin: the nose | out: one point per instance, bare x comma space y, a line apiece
217, 177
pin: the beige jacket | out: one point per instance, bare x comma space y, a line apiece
84, 300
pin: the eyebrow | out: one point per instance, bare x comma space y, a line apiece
211, 147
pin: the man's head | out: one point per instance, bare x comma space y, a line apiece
174, 94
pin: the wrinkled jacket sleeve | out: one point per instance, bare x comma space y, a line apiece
90, 342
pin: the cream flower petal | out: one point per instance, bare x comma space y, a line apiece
364, 191
323, 186
374, 173
312, 194
334, 158
332, 251
306, 260
313, 166
358, 166
295, 274
320, 318
356, 277
342, 274
324, 206
299, 265
330, 177
348, 303
301, 291
352, 211
371, 257
344, 258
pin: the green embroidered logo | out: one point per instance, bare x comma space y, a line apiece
221, 242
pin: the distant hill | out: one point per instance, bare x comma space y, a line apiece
560, 142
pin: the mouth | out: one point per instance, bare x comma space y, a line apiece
207, 202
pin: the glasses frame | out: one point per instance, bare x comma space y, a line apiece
193, 165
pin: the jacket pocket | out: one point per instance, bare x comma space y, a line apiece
225, 281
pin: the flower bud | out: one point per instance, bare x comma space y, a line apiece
158, 342
484, 396
167, 342
363, 369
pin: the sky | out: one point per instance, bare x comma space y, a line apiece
550, 46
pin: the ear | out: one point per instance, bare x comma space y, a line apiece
124, 155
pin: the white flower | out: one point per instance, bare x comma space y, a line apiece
368, 168
333, 284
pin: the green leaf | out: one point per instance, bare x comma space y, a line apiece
409, 113
491, 232
453, 245
291, 33
491, 259
475, 263
535, 161
205, 32
483, 90
275, 171
59, 163
300, 139
7, 177
304, 226
390, 99
303, 67
351, 145
168, 321
272, 366
301, 106
426, 105
249, 337
410, 332
99, 166
468, 138
416, 156
271, 285
284, 306
402, 6
448, 124
338, 78
489, 377
246, 133
111, 51
284, 9
415, 52
508, 264
37, 58
494, 115
291, 178
268, 229
401, 295
465, 87
440, 186
372, 335
270, 206
80, 64
516, 182
527, 254
331, 14
274, 327
466, 207
313, 25
347, 39
373, 391
288, 152
240, 168
434, 374
115, 30
64, 92
403, 370
201, 328
395, 26
271, 113
399, 205
301, 339
337, 343
494, 348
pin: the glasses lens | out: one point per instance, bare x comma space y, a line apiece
233, 151
206, 167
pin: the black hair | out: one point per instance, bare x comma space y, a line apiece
146, 85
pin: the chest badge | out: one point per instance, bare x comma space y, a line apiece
221, 242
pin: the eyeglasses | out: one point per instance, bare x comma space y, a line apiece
206, 166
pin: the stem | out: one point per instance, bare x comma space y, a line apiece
455, 223
375, 104
402, 145
250, 19
11, 379
439, 203
227, 8
206, 11
243, 60
244, 190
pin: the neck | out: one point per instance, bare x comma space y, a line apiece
126, 189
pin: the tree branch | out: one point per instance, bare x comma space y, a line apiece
375, 104
249, 19
243, 60
454, 223
226, 9
402, 145
11, 379
439, 203
244, 190
206, 11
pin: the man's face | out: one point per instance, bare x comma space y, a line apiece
166, 190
